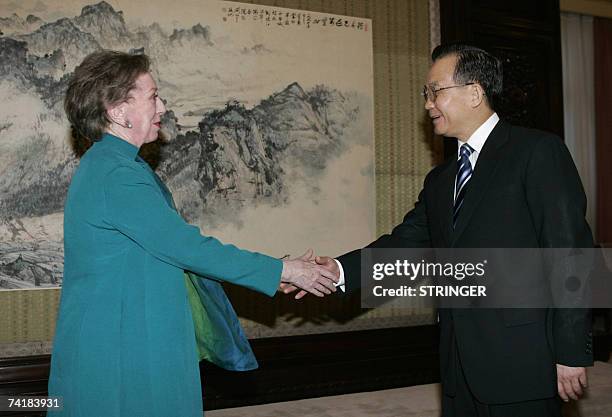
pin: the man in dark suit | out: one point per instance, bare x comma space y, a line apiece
509, 187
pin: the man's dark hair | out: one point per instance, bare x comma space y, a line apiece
474, 65
103, 79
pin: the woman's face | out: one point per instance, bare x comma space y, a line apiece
144, 110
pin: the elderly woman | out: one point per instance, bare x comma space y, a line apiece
125, 343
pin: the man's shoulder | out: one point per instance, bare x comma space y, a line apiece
536, 145
527, 141
531, 135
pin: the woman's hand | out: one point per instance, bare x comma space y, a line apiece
304, 273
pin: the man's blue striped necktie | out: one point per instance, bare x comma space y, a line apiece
464, 173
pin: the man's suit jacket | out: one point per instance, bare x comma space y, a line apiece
525, 192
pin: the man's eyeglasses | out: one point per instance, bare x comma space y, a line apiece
432, 93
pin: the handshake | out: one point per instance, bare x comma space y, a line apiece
317, 275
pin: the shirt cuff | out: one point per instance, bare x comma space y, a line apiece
341, 281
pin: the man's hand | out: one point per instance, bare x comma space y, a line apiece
326, 262
329, 264
570, 382
307, 275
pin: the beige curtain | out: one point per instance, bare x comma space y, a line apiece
579, 101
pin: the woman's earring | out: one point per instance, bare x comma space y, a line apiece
128, 124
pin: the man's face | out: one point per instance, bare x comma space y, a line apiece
449, 110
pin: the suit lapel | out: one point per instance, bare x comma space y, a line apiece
444, 199
481, 178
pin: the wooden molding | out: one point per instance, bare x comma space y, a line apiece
290, 367
299, 367
601, 8
296, 367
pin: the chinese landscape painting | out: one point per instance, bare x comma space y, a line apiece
268, 139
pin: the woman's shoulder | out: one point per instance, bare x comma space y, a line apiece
100, 166
106, 159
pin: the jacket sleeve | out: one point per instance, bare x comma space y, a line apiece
412, 232
136, 208
557, 204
